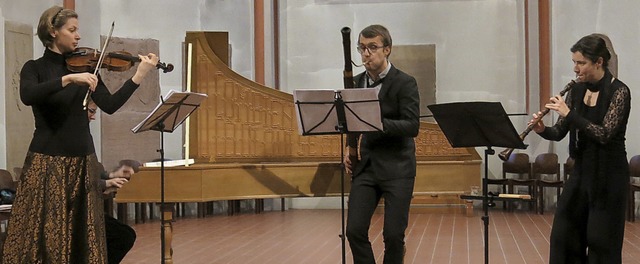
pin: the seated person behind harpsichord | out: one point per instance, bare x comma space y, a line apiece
120, 237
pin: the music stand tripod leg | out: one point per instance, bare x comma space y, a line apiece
165, 209
485, 203
342, 167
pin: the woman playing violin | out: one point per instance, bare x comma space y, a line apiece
57, 216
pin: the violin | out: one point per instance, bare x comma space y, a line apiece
86, 59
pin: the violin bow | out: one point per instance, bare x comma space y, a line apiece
95, 72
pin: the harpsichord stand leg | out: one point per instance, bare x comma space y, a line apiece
167, 227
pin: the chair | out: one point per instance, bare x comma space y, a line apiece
17, 171
546, 163
568, 168
500, 182
518, 163
6, 180
631, 207
634, 171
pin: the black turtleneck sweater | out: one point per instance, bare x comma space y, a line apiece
62, 125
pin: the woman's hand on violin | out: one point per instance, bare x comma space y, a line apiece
536, 124
84, 78
557, 104
147, 63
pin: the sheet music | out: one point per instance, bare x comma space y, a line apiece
170, 163
189, 101
316, 113
365, 105
321, 102
5, 207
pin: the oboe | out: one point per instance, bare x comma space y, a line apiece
504, 155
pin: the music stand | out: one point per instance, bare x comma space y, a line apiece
478, 124
166, 117
331, 112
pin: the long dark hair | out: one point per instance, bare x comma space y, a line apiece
593, 48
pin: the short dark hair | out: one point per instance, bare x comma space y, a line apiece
377, 30
134, 164
53, 18
593, 48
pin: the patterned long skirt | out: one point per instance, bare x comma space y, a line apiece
57, 216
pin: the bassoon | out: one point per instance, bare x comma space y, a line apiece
346, 46
348, 79
348, 83
504, 155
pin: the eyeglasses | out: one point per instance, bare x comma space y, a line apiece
371, 48
92, 110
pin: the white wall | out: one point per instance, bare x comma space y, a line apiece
165, 20
168, 21
27, 12
479, 44
573, 19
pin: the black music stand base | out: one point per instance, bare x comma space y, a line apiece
338, 108
485, 202
163, 223
166, 117
478, 124
342, 209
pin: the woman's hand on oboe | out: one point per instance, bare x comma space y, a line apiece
557, 104
536, 124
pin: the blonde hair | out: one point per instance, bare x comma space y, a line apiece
53, 18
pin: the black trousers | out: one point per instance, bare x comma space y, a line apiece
120, 239
364, 196
583, 232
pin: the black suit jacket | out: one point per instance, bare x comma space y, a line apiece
391, 153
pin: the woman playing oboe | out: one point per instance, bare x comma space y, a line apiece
589, 222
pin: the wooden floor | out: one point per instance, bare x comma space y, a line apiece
311, 236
